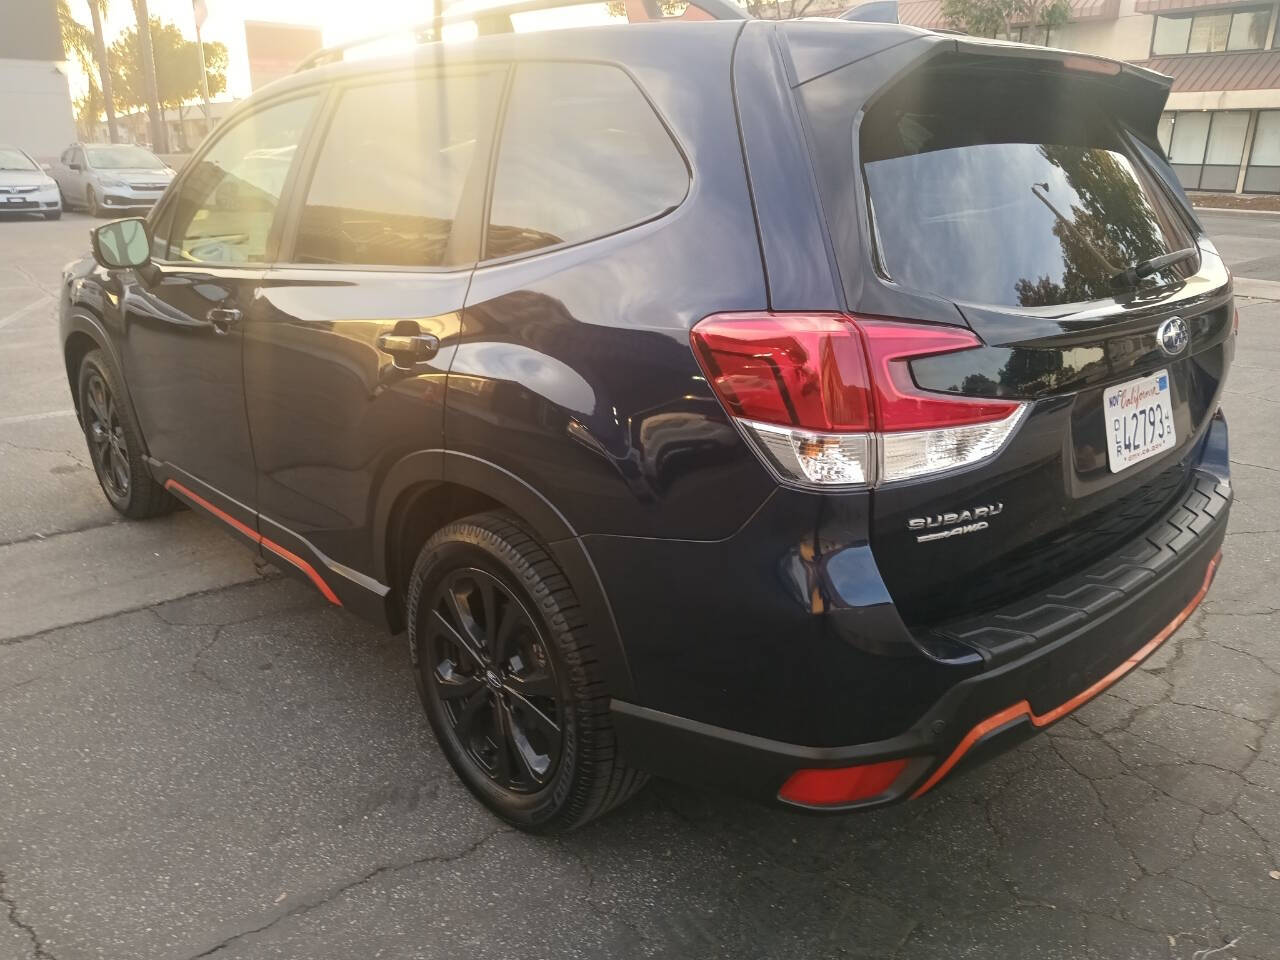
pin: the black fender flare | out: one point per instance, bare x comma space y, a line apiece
81, 319
548, 524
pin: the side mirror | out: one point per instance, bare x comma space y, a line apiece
121, 243
46, 167
74, 166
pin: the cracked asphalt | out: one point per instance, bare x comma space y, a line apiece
199, 758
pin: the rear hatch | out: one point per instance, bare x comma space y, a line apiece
1019, 193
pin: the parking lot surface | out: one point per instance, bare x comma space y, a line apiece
199, 758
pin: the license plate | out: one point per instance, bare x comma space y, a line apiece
1139, 417
15, 199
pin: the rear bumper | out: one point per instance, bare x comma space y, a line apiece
1074, 640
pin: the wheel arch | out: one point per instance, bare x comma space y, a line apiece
426, 490
84, 334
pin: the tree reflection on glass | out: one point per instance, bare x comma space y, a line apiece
1106, 220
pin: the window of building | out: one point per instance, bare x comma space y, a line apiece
1165, 131
1249, 30
1225, 150
1204, 147
582, 155
228, 200
1263, 173
1172, 34
1211, 32
391, 175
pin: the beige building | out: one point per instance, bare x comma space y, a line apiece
1221, 128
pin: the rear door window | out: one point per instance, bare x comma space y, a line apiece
390, 180
582, 155
989, 192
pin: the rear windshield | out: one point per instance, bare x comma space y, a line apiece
1008, 190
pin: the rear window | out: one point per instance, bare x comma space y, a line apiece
993, 190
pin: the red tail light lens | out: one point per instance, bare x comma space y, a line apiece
794, 370
821, 394
841, 786
900, 404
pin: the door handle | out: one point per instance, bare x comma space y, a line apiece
408, 348
222, 318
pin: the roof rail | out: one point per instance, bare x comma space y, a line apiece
497, 19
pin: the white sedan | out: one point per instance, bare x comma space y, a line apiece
25, 187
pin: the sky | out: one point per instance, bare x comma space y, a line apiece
340, 19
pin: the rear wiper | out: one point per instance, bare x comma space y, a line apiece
1130, 276
1040, 189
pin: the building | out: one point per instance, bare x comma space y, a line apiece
35, 100
185, 133
1221, 127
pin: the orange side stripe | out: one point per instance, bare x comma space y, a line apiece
1023, 708
258, 538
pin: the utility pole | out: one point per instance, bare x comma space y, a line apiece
201, 11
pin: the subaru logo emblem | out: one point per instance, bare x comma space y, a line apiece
1173, 336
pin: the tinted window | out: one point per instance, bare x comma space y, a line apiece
228, 200
389, 181
582, 155
985, 193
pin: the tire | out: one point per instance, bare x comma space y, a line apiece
115, 442
53, 215
91, 203
534, 696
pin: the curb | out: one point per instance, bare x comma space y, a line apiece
1232, 210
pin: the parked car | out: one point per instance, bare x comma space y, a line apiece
25, 187
807, 408
101, 177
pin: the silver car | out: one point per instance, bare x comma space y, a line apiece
25, 187
101, 177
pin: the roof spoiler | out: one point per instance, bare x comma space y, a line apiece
496, 18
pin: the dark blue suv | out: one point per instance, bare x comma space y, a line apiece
806, 408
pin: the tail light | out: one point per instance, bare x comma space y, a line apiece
828, 400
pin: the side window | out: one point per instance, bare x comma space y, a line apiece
77, 156
389, 180
228, 200
582, 155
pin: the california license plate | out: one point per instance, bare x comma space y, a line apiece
1139, 420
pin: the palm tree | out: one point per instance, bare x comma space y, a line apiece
77, 42
90, 50
159, 138
98, 12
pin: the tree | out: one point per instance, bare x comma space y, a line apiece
77, 42
98, 13
989, 18
147, 63
177, 66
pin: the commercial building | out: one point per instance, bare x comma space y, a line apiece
35, 100
1221, 128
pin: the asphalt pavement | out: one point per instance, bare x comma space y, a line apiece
199, 758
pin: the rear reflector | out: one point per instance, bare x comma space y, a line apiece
829, 400
841, 786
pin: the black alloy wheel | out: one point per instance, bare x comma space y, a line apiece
511, 678
115, 441
490, 668
107, 442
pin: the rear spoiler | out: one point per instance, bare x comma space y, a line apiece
817, 47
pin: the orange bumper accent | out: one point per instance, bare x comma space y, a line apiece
256, 537
1023, 708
